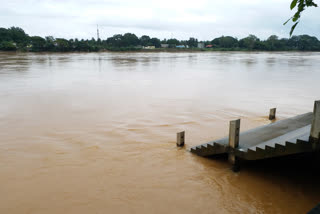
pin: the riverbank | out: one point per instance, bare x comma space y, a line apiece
165, 50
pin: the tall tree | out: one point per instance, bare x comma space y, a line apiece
50, 43
38, 43
155, 42
144, 40
249, 42
225, 42
192, 42
129, 39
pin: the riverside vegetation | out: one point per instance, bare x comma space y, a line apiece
15, 39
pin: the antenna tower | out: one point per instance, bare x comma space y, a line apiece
98, 37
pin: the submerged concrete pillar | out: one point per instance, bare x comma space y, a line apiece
180, 139
315, 125
272, 114
234, 132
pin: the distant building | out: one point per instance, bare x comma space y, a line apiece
209, 46
164, 45
180, 46
200, 45
149, 47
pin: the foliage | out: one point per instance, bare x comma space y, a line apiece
7, 46
249, 42
145, 40
15, 38
155, 42
301, 5
192, 42
37, 43
225, 42
173, 43
129, 39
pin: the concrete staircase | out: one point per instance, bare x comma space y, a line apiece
286, 137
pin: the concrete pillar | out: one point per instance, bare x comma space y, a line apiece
180, 139
234, 131
272, 114
315, 125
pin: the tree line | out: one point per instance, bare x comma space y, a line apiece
15, 38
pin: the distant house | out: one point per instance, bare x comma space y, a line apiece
200, 45
149, 47
209, 46
180, 46
164, 45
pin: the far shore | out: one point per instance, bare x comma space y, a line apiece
160, 50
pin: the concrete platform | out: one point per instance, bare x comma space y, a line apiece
285, 137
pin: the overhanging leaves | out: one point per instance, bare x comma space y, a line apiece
301, 6
293, 4
292, 28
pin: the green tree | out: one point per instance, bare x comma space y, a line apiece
38, 43
249, 42
50, 43
18, 36
173, 42
7, 46
155, 42
304, 43
164, 41
144, 40
4, 35
62, 45
272, 42
93, 45
82, 45
192, 42
225, 42
129, 39
114, 41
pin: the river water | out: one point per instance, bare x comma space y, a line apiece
95, 132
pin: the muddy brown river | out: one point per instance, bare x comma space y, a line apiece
95, 132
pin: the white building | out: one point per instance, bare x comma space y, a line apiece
149, 47
200, 45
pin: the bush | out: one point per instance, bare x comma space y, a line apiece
8, 46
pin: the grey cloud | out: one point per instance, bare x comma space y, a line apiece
203, 19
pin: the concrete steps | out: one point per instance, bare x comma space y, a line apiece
209, 149
292, 146
281, 138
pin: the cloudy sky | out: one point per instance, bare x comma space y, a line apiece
203, 19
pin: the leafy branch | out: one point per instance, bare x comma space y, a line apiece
301, 6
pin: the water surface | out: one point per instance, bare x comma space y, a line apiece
95, 132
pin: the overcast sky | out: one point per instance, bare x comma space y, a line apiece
203, 19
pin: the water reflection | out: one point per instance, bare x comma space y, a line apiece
14, 62
271, 61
